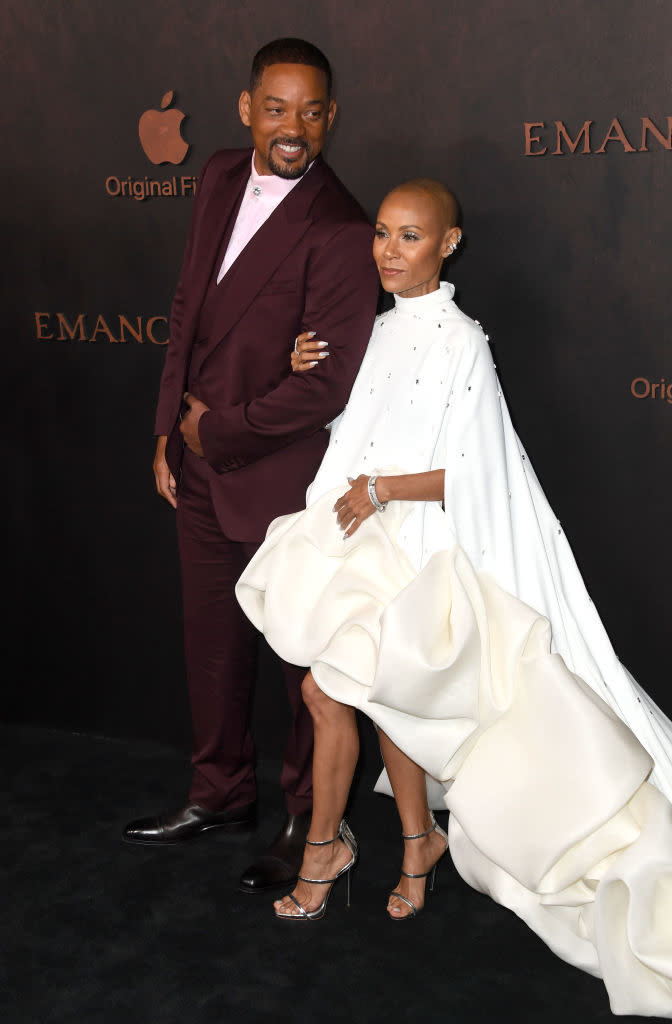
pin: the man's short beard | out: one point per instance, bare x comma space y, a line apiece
288, 173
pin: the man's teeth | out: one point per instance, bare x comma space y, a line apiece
289, 149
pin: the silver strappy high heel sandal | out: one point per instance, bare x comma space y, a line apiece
345, 834
432, 871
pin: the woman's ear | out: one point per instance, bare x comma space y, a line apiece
451, 240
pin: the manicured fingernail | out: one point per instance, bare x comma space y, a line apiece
322, 344
311, 334
323, 355
314, 363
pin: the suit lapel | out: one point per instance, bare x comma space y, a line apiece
264, 253
216, 213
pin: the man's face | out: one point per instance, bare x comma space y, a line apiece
289, 115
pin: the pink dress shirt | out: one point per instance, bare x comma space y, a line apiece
263, 193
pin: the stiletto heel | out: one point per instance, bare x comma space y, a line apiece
349, 841
414, 911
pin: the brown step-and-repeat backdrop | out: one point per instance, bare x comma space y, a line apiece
553, 123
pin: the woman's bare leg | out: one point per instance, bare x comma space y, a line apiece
408, 785
334, 760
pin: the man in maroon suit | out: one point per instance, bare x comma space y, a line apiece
277, 246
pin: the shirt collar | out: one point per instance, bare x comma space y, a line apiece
272, 186
426, 304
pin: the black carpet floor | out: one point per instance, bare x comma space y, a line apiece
98, 932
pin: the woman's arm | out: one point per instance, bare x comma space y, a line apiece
411, 486
355, 505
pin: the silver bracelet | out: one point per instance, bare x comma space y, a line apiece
379, 506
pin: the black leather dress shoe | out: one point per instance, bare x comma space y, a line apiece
188, 823
280, 864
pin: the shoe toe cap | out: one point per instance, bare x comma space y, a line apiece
267, 872
142, 830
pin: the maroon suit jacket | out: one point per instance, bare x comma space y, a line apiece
309, 267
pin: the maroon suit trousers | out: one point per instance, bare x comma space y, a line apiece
221, 657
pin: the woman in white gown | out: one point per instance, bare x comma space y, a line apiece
456, 618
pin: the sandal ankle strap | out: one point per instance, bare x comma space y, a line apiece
421, 835
343, 831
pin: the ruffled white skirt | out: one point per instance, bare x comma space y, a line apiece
551, 813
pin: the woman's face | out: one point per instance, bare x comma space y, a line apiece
410, 243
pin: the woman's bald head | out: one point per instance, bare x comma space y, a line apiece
415, 231
442, 199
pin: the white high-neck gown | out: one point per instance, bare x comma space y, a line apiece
466, 633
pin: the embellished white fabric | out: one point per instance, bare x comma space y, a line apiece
466, 634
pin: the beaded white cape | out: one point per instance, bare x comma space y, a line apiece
427, 397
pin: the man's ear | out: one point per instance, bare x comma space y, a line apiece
244, 107
331, 113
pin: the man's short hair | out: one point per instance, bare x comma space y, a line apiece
288, 51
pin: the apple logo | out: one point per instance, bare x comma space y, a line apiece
160, 134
